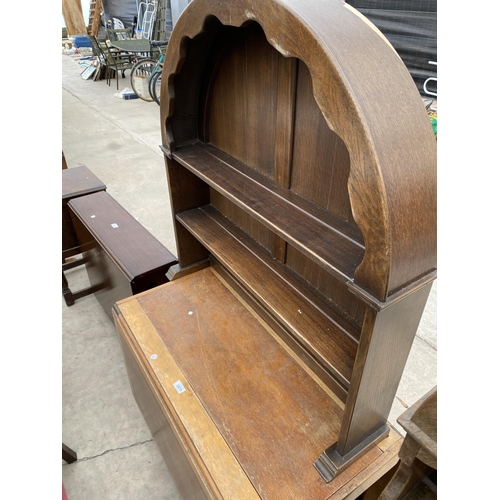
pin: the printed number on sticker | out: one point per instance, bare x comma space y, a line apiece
179, 387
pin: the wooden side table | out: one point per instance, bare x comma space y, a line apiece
418, 453
76, 182
122, 257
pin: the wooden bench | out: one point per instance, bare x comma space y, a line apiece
301, 165
76, 182
122, 258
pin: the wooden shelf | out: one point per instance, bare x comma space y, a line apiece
326, 338
326, 239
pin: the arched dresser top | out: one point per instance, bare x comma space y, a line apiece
369, 99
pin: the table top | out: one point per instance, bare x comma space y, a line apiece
243, 400
132, 45
131, 246
79, 181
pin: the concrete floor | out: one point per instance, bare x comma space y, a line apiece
119, 141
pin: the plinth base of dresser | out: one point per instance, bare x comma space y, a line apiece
235, 413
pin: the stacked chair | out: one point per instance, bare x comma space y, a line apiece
111, 60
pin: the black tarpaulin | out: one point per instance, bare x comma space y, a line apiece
411, 28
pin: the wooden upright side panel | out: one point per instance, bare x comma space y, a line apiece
194, 193
385, 344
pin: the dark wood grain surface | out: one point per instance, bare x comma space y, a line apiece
329, 339
121, 256
189, 480
134, 249
186, 192
384, 347
274, 417
276, 209
269, 411
301, 161
367, 97
76, 181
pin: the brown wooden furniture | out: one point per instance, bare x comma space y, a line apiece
76, 182
301, 165
122, 258
68, 455
235, 412
418, 454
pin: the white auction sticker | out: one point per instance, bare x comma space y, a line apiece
179, 387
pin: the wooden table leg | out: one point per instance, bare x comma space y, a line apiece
68, 296
68, 455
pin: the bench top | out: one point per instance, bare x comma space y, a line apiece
134, 249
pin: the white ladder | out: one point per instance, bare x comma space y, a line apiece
146, 16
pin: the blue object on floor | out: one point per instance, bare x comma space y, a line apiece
81, 41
